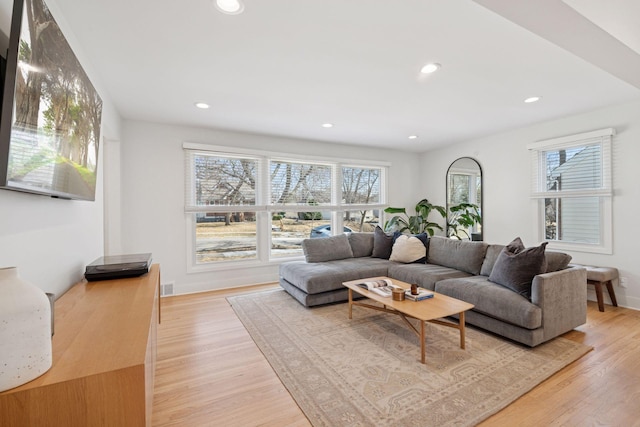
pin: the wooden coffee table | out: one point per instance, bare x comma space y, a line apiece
429, 310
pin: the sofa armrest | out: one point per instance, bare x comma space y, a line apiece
562, 296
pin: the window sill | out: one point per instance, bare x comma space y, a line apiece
238, 265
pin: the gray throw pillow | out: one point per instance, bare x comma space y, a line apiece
493, 251
361, 244
557, 261
516, 267
327, 248
382, 244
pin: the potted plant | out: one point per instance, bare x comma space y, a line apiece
416, 224
463, 217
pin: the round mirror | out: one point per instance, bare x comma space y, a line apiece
464, 199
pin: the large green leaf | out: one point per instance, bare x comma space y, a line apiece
396, 223
417, 223
463, 217
396, 210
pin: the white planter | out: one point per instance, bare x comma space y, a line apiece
25, 330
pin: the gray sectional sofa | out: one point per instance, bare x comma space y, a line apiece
554, 301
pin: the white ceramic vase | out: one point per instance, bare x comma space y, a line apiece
25, 330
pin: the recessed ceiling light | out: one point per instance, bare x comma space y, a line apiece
413, 136
202, 105
327, 125
430, 68
532, 99
230, 7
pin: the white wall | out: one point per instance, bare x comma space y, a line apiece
152, 198
52, 240
508, 210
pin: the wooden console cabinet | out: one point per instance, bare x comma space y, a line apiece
104, 354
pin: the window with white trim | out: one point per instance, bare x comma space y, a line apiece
221, 197
572, 184
249, 206
300, 194
361, 188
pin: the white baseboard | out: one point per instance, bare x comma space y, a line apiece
623, 300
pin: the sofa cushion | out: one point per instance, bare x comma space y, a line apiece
490, 259
327, 248
314, 278
382, 243
459, 254
408, 248
516, 266
556, 261
425, 275
493, 300
361, 244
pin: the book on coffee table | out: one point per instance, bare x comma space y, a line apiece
422, 295
382, 287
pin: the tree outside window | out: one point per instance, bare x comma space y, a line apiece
361, 186
236, 208
229, 234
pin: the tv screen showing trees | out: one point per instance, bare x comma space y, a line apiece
51, 113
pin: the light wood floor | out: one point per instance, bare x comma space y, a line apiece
210, 373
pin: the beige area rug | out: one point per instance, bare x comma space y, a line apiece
367, 371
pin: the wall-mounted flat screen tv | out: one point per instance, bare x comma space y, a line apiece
51, 113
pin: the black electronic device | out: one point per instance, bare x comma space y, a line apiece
118, 267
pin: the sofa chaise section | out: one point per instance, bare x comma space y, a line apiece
319, 283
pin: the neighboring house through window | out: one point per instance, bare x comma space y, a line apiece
572, 183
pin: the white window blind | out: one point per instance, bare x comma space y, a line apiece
572, 181
361, 186
278, 182
299, 184
221, 181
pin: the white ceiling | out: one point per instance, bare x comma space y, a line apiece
284, 67
617, 17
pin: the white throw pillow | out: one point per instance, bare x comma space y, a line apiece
408, 249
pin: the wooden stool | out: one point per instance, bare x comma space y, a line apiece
599, 276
